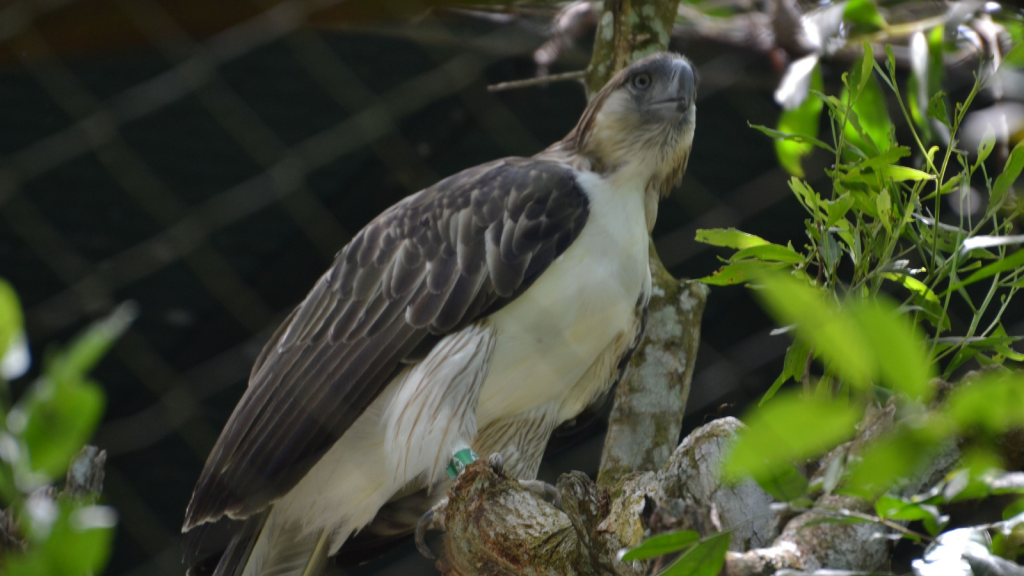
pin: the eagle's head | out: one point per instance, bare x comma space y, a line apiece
643, 120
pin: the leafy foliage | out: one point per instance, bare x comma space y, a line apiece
662, 544
699, 557
39, 436
875, 235
867, 300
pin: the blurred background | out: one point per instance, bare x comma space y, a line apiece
206, 161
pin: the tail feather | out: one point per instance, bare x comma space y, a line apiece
257, 546
239, 549
318, 560
286, 550
221, 548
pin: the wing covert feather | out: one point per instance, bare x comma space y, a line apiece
430, 265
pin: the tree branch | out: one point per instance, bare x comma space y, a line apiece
628, 30
495, 527
650, 402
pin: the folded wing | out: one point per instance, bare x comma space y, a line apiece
428, 266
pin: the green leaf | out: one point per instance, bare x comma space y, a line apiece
949, 186
912, 284
799, 138
1011, 262
891, 508
11, 319
935, 523
937, 108
1010, 353
830, 250
739, 272
886, 505
60, 419
802, 120
972, 481
834, 336
988, 143
89, 347
704, 559
805, 194
769, 253
838, 208
778, 434
793, 367
1016, 508
936, 59
973, 345
902, 174
1003, 347
661, 544
994, 402
923, 298
865, 204
1015, 57
77, 545
785, 485
895, 456
883, 203
869, 122
59, 413
886, 159
882, 463
1014, 165
864, 14
917, 86
729, 238
867, 61
898, 348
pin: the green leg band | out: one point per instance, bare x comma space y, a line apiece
460, 460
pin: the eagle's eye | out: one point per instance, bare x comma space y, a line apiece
641, 81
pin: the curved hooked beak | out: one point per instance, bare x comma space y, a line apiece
685, 87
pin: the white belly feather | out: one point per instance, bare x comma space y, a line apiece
544, 342
548, 337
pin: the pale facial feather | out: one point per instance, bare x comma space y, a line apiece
622, 138
636, 133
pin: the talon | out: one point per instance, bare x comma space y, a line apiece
497, 463
549, 493
421, 532
433, 519
554, 495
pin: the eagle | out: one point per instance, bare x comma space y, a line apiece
473, 317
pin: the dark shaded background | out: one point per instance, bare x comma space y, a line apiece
210, 172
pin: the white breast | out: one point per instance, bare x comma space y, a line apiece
549, 336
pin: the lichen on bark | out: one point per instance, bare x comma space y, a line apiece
650, 402
628, 30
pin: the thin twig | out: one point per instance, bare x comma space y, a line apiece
884, 522
513, 84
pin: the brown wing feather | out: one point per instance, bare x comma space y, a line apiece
428, 266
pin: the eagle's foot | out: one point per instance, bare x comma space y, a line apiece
432, 520
544, 490
497, 463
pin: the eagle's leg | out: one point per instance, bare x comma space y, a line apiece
544, 490
540, 488
433, 519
